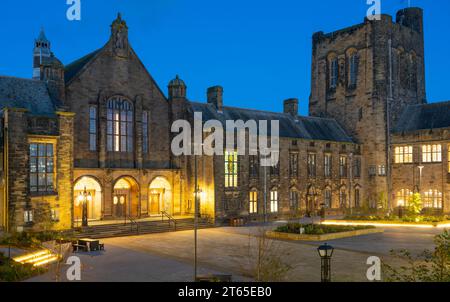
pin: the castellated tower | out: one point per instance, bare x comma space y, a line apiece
364, 76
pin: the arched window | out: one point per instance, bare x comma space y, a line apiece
402, 197
353, 69
357, 198
333, 67
120, 125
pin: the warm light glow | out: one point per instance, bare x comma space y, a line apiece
377, 224
122, 184
38, 258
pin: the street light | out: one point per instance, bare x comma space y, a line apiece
325, 253
84, 198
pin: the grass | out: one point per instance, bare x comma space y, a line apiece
318, 229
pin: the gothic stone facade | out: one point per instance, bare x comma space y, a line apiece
98, 131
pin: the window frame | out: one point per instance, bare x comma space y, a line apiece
231, 175
433, 198
37, 172
334, 72
93, 128
343, 166
145, 132
328, 165
312, 165
403, 155
253, 202
432, 153
293, 164
274, 201
120, 125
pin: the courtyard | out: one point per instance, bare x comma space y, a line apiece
169, 257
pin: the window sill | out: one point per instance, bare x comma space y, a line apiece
43, 194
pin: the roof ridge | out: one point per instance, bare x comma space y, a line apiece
23, 79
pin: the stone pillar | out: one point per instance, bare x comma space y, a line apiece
64, 169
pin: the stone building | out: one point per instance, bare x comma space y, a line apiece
101, 127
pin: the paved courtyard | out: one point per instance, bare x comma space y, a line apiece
169, 256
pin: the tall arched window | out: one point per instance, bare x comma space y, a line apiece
120, 125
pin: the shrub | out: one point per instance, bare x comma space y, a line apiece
319, 229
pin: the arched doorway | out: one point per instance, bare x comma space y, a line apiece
94, 202
160, 197
125, 202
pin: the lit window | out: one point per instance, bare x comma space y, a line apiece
327, 198
381, 170
402, 197
145, 132
274, 201
28, 216
432, 199
404, 155
93, 128
41, 168
253, 202
343, 166
432, 153
231, 169
327, 165
293, 164
334, 70
312, 165
55, 215
120, 126
293, 199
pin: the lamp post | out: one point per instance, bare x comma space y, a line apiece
196, 219
84, 198
325, 253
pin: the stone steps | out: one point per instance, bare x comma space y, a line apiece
150, 227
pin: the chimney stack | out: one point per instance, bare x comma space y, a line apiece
291, 107
215, 97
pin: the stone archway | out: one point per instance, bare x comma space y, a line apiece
125, 201
94, 202
160, 197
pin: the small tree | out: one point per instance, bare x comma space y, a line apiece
427, 267
415, 204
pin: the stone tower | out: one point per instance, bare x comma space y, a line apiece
364, 76
46, 67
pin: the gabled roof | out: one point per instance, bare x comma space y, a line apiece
424, 117
75, 67
309, 128
32, 95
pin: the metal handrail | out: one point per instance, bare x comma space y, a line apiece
170, 218
133, 222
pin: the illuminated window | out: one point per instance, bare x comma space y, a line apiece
432, 199
145, 132
274, 201
327, 198
293, 199
41, 168
343, 166
328, 161
120, 126
312, 165
432, 153
448, 158
28, 216
293, 164
231, 169
381, 170
93, 128
253, 202
334, 72
402, 197
404, 155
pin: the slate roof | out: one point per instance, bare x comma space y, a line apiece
309, 128
27, 94
73, 68
424, 117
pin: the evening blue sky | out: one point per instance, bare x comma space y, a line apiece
258, 50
